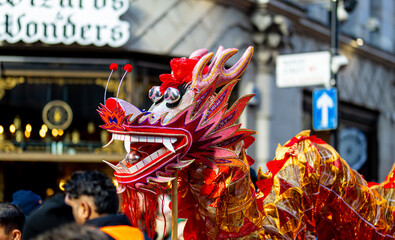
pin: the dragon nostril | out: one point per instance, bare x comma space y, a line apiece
112, 120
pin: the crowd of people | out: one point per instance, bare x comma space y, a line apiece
88, 209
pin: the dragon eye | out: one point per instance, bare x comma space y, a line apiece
172, 95
154, 94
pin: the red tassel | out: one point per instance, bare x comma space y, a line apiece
140, 208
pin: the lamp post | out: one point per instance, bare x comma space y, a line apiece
334, 50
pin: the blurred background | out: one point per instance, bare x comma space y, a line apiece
55, 57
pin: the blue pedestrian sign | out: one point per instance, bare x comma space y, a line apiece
325, 109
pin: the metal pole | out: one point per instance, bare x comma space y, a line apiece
174, 206
334, 51
334, 31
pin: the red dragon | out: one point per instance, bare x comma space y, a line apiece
190, 129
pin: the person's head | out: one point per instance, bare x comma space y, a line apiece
12, 220
26, 200
73, 232
91, 194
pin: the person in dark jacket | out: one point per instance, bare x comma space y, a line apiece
52, 214
94, 201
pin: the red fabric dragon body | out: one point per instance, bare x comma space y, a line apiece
309, 188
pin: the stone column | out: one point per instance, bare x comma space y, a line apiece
271, 33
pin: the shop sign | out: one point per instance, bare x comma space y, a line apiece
94, 22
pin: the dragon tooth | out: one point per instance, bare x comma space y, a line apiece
119, 137
126, 143
168, 144
161, 151
117, 169
112, 139
134, 138
143, 138
150, 139
158, 139
146, 161
133, 169
140, 164
124, 168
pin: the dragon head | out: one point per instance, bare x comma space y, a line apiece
188, 120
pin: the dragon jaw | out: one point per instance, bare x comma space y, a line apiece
160, 145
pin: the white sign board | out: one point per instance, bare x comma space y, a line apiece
64, 21
303, 69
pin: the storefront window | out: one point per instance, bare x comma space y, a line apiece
49, 126
49, 105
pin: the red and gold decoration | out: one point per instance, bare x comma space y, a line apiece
190, 138
310, 189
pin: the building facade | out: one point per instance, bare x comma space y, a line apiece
364, 136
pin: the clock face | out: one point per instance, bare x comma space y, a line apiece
353, 147
57, 115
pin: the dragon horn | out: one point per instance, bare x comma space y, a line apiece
197, 80
220, 49
217, 67
199, 53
